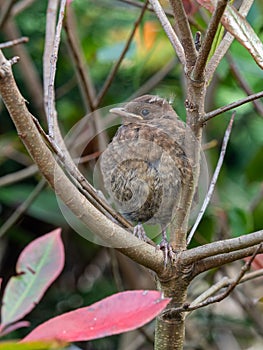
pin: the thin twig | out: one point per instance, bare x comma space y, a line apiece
22, 208
18, 175
169, 30
21, 6
199, 68
167, 11
51, 17
116, 66
232, 105
213, 181
74, 47
243, 83
53, 61
225, 282
14, 42
211, 300
30, 78
5, 12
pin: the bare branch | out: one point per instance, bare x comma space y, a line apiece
14, 42
87, 86
221, 247
18, 175
231, 286
116, 66
225, 43
51, 112
27, 67
169, 30
222, 259
213, 181
199, 68
5, 12
49, 42
243, 83
232, 105
167, 11
21, 6
184, 32
16, 215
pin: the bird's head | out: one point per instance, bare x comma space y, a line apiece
144, 108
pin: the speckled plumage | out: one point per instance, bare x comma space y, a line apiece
147, 161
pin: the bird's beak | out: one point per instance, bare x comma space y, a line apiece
121, 111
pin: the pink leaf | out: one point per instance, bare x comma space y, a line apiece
37, 267
116, 314
13, 327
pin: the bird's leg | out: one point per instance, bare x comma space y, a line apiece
166, 248
140, 233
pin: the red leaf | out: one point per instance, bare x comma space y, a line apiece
116, 314
13, 327
37, 267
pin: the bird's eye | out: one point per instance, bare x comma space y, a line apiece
145, 112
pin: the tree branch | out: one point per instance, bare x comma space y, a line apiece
243, 83
199, 68
225, 43
222, 259
18, 175
22, 208
232, 105
87, 87
22, 40
51, 58
5, 12
221, 247
213, 181
184, 32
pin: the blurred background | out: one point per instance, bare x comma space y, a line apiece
100, 30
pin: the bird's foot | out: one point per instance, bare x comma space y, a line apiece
140, 233
168, 253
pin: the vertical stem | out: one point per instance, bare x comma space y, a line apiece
170, 332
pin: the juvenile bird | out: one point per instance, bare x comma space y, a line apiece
147, 162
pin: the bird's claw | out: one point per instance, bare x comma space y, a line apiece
139, 232
168, 252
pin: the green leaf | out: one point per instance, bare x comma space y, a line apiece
39, 345
240, 221
254, 170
